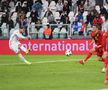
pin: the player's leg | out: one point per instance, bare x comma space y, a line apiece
100, 54
87, 57
16, 49
106, 80
23, 59
105, 58
23, 48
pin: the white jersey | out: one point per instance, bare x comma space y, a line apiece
14, 38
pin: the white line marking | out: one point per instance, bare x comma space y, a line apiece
104, 89
42, 62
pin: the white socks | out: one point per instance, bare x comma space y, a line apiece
23, 48
22, 58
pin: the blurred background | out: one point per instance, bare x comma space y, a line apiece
53, 19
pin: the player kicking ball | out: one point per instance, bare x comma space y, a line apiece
16, 46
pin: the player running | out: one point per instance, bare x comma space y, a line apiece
16, 46
105, 54
96, 35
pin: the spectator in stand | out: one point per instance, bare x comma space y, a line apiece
79, 16
29, 4
37, 6
45, 5
88, 5
66, 7
48, 32
48, 14
103, 11
23, 23
67, 20
97, 20
11, 5
10, 23
94, 10
69, 2
34, 16
53, 21
75, 26
25, 8
63, 17
4, 18
18, 7
90, 18
81, 7
81, 27
5, 5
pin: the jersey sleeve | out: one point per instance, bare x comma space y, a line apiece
21, 36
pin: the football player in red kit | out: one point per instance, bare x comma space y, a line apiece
96, 35
105, 54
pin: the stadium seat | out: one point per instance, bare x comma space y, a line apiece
97, 8
44, 21
11, 31
63, 33
56, 33
40, 33
14, 17
45, 5
12, 10
0, 17
33, 31
17, 26
4, 30
52, 6
57, 16
18, 3
71, 16
106, 7
84, 15
28, 14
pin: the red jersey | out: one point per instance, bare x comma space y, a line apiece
97, 37
98, 41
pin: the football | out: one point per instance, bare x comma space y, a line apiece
68, 53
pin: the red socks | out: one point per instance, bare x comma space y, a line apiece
105, 62
107, 75
88, 56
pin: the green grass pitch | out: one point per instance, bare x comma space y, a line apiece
51, 72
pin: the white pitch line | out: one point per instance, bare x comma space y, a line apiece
39, 62
42, 62
104, 89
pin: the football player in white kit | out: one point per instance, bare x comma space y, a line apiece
15, 44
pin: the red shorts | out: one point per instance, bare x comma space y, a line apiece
105, 47
99, 51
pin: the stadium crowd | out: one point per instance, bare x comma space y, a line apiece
59, 14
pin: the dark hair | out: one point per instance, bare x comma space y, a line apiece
98, 25
22, 27
48, 25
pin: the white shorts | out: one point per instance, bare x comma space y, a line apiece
15, 47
